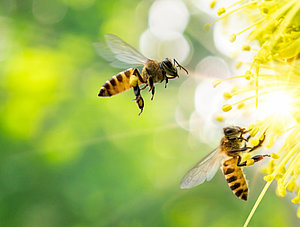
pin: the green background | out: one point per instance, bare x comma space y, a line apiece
69, 158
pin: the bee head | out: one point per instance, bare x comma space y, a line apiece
233, 132
169, 67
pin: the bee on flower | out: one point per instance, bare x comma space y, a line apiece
273, 88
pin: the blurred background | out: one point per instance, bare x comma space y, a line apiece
70, 158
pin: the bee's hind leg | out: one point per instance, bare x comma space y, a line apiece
138, 98
134, 82
252, 160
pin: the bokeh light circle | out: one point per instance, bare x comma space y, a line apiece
176, 47
168, 15
49, 12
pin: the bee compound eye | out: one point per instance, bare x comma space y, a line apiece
228, 130
167, 62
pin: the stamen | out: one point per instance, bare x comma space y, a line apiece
226, 108
251, 26
235, 10
261, 195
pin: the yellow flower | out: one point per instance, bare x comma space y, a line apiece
273, 90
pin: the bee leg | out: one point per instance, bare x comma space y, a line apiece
150, 80
153, 91
258, 145
140, 103
152, 88
134, 82
252, 160
138, 98
166, 82
148, 71
137, 73
143, 88
246, 139
172, 77
239, 150
245, 148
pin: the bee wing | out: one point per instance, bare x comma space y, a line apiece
203, 170
105, 52
120, 50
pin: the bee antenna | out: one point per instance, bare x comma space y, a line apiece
180, 66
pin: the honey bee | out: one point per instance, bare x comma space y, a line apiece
153, 71
227, 155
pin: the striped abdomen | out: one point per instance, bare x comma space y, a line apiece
117, 84
235, 178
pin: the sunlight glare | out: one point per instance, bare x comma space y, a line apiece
279, 103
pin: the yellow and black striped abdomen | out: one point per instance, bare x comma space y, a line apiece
235, 178
117, 84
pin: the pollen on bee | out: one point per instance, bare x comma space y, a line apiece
247, 156
250, 162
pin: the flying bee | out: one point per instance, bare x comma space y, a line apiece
153, 71
227, 155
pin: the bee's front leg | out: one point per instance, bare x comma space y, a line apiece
245, 139
169, 78
252, 160
166, 82
246, 148
258, 145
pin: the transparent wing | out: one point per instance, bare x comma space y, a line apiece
120, 50
203, 170
105, 52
